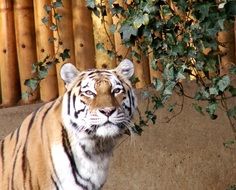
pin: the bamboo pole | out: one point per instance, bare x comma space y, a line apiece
103, 35
48, 86
234, 37
25, 42
83, 35
10, 86
0, 88
65, 27
154, 73
142, 70
229, 50
121, 49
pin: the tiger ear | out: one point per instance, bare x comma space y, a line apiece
126, 68
68, 72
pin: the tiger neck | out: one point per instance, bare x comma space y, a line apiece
90, 147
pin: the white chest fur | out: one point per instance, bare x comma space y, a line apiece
80, 168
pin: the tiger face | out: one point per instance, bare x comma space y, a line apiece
101, 102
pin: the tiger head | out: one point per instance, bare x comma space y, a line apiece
98, 102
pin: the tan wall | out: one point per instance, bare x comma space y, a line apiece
185, 154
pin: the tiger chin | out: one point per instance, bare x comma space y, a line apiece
67, 143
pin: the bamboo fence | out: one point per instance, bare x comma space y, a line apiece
24, 41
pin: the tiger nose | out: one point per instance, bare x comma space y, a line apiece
107, 111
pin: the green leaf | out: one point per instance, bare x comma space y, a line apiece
65, 54
198, 108
157, 102
221, 23
232, 70
203, 10
25, 95
199, 65
111, 54
210, 65
42, 72
145, 19
230, 8
34, 67
136, 55
97, 12
111, 2
186, 37
113, 28
178, 49
138, 21
127, 31
141, 19
154, 65
116, 9
32, 83
213, 91
57, 4
45, 20
180, 74
211, 109
223, 83
150, 8
205, 94
182, 4
100, 46
173, 21
91, 4
58, 16
170, 38
53, 27
165, 10
169, 87
137, 129
158, 84
198, 96
47, 8
169, 73
151, 116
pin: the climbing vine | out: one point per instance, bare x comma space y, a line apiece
183, 38
40, 68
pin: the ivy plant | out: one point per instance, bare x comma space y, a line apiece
40, 68
182, 36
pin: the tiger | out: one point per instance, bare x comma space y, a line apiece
67, 144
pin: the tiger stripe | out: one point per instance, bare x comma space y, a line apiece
68, 108
43, 119
67, 143
2, 156
24, 156
67, 149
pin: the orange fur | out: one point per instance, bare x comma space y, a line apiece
27, 161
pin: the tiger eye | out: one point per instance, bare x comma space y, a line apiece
117, 90
88, 92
